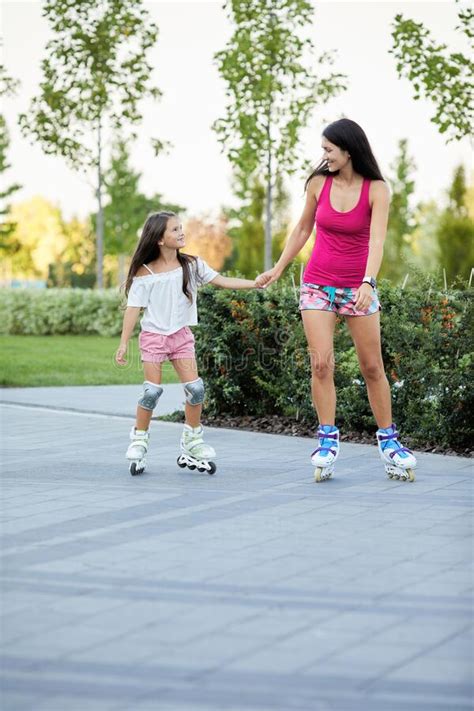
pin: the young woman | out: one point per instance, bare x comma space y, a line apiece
348, 200
164, 282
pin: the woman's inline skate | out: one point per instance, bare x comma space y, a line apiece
325, 455
195, 453
137, 449
399, 461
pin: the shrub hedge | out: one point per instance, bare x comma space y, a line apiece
253, 356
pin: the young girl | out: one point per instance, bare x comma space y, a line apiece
164, 282
348, 200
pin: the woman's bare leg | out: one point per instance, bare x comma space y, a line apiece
319, 330
365, 332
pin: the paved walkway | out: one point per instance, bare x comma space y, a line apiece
252, 590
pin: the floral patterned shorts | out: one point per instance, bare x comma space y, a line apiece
338, 300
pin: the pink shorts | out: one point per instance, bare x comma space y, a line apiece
156, 348
339, 300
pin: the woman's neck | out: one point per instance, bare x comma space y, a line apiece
347, 176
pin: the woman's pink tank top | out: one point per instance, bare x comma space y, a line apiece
339, 256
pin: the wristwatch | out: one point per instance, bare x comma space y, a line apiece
370, 280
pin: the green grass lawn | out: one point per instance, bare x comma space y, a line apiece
29, 361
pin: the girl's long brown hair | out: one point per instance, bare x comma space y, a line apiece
148, 250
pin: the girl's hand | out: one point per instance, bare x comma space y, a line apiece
364, 296
120, 354
266, 278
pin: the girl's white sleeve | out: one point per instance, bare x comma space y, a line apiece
139, 294
205, 273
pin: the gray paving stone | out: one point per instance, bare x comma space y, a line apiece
180, 591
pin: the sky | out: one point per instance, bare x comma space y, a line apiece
195, 173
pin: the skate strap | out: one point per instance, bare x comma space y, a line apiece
397, 451
384, 438
324, 449
328, 435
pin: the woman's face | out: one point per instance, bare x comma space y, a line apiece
336, 157
173, 236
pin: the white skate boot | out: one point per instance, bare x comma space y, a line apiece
137, 449
325, 455
195, 453
400, 461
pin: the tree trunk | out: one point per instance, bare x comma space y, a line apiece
100, 212
268, 257
121, 269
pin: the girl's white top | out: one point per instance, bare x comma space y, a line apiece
167, 309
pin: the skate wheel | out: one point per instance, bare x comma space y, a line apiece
191, 466
201, 469
317, 475
411, 475
135, 469
212, 468
180, 464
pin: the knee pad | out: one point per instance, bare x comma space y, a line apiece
194, 392
151, 395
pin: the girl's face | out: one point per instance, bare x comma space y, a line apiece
173, 236
336, 157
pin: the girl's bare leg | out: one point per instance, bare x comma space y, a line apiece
187, 371
319, 330
152, 372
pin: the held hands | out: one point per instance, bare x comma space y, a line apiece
120, 358
364, 296
266, 278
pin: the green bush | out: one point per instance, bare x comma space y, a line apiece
58, 311
253, 356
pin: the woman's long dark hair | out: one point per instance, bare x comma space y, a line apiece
349, 136
148, 250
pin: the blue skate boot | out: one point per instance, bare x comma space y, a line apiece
325, 455
399, 461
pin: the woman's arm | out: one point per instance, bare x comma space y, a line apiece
378, 232
298, 237
378, 226
129, 320
232, 282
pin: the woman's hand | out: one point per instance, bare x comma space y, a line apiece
266, 278
364, 297
120, 358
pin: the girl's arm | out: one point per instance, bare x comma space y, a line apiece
298, 238
232, 282
378, 232
129, 320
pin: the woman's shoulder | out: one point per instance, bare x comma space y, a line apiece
379, 190
315, 185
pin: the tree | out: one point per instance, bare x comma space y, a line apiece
95, 73
208, 240
126, 206
455, 233
401, 222
247, 225
442, 77
271, 93
8, 246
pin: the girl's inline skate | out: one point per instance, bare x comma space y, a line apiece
137, 449
195, 453
400, 461
325, 455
